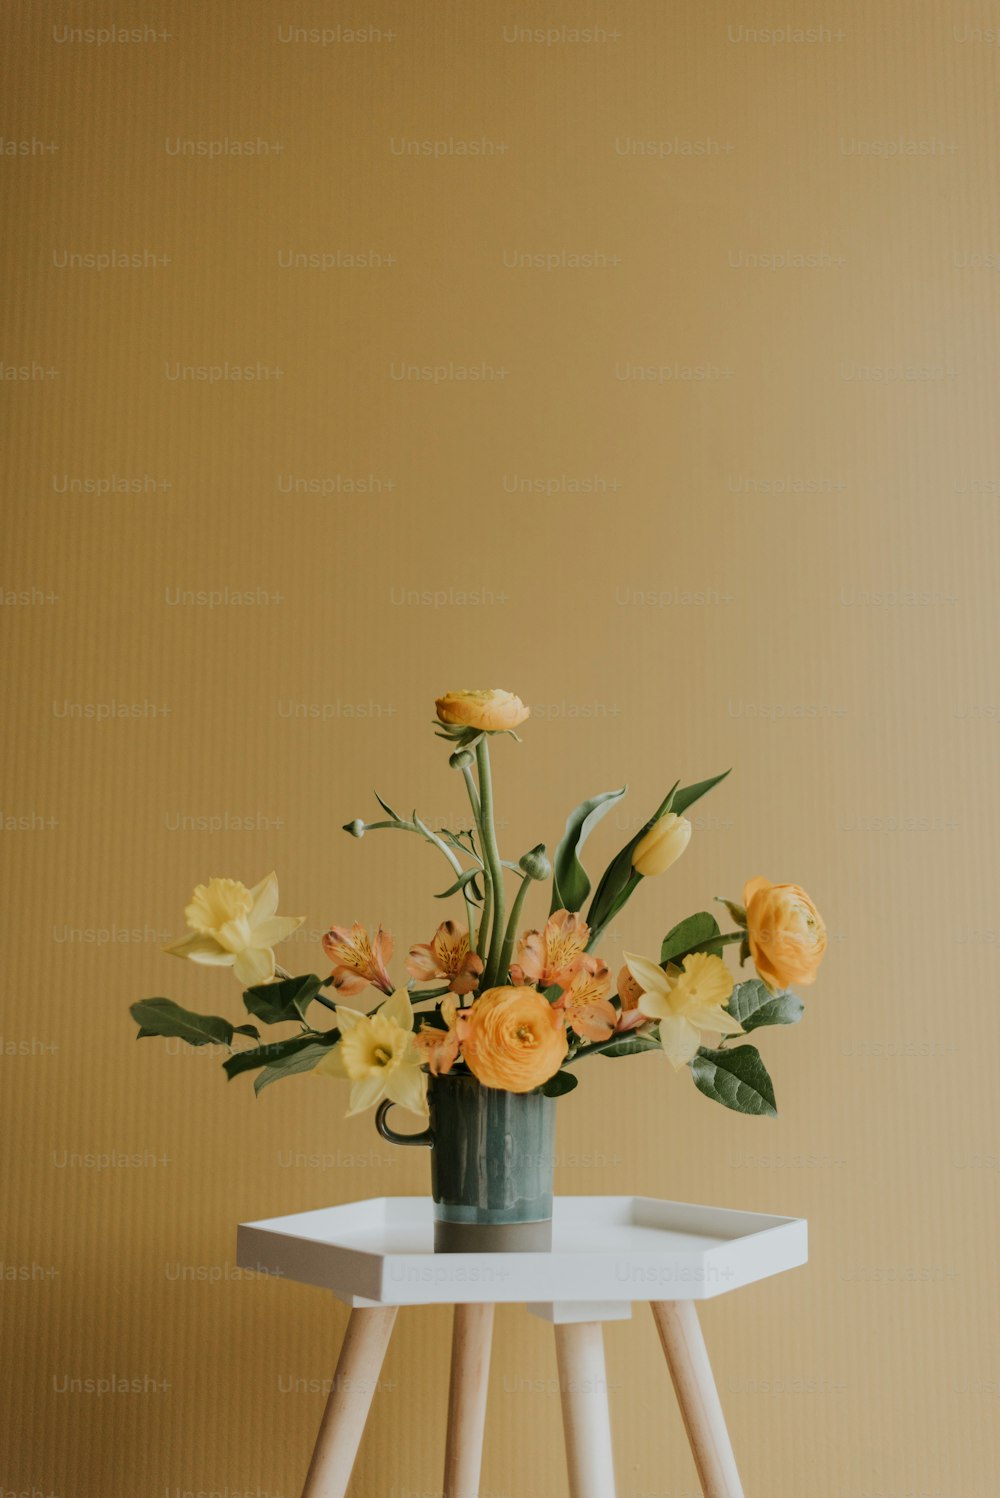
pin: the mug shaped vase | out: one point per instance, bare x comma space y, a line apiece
492, 1163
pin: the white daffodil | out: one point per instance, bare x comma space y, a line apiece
232, 926
378, 1055
685, 1001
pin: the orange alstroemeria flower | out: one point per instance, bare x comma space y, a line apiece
630, 1019
585, 1002
439, 1048
358, 959
628, 990
553, 955
446, 955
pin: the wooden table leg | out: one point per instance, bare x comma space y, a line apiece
687, 1358
358, 1367
471, 1342
586, 1419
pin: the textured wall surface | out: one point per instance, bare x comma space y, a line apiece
650, 372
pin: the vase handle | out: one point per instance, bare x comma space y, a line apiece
426, 1136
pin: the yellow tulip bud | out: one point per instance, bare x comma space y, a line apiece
662, 845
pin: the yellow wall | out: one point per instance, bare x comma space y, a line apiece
787, 566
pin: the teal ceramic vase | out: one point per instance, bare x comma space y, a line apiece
492, 1163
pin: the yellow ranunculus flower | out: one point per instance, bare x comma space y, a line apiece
236, 927
662, 845
377, 1054
685, 1001
785, 931
513, 1039
491, 710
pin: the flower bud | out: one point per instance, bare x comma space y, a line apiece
662, 845
738, 912
462, 759
534, 863
355, 828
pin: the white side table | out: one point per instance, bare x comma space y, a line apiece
607, 1251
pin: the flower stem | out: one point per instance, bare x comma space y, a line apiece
425, 832
602, 1045
470, 786
508, 941
491, 856
477, 812
432, 837
484, 924
723, 936
281, 973
431, 993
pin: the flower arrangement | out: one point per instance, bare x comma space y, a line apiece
517, 1009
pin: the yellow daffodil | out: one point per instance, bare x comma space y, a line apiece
685, 1001
378, 1056
662, 845
236, 927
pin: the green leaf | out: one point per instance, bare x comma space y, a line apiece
620, 880
570, 884
559, 1084
273, 1051
631, 1045
463, 735
737, 1079
164, 1017
752, 1004
430, 1019
387, 808
692, 935
276, 1003
291, 1066
460, 883
692, 793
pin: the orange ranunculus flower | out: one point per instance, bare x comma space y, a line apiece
785, 930
491, 710
358, 959
446, 955
585, 1002
553, 955
514, 1039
